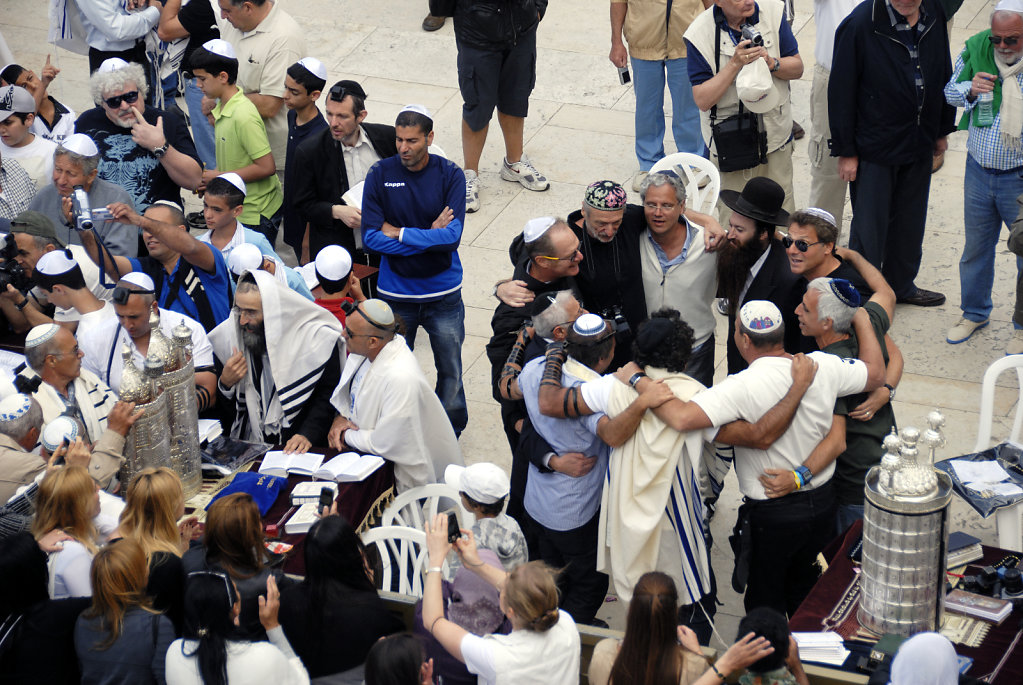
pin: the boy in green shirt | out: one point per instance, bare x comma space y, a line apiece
240, 137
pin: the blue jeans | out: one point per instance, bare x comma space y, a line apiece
845, 516
648, 79
444, 321
202, 129
989, 200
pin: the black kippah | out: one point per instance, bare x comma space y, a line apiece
542, 301
653, 333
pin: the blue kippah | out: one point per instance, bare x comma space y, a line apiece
846, 292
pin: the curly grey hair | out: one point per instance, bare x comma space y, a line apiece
658, 178
102, 82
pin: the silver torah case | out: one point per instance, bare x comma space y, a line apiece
905, 535
178, 383
148, 442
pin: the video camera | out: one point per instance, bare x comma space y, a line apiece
752, 34
82, 216
11, 272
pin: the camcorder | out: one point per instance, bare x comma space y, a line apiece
11, 272
617, 319
82, 216
750, 33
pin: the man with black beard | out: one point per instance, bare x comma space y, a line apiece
280, 396
753, 264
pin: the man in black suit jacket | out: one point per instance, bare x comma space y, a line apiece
331, 162
753, 249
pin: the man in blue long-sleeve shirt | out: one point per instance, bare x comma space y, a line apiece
412, 215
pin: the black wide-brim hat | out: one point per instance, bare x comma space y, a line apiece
761, 200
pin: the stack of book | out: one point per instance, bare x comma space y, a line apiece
962, 549
822, 648
978, 606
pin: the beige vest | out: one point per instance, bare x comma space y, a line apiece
778, 122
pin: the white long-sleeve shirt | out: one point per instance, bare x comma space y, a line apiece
248, 663
110, 27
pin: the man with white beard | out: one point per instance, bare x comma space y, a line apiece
989, 65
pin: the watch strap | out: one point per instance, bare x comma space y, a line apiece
635, 378
804, 474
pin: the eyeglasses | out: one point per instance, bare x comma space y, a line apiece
571, 257
1008, 40
801, 245
653, 206
73, 352
121, 294
131, 97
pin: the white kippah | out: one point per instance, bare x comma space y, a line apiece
219, 47
14, 407
235, 180
55, 431
537, 227
1009, 6
245, 257
760, 316
80, 144
40, 334
112, 64
822, 213
333, 262
378, 312
168, 203
55, 263
140, 279
418, 109
314, 66
588, 324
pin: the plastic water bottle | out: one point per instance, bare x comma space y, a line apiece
985, 111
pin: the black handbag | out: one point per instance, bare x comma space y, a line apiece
442, 8
740, 140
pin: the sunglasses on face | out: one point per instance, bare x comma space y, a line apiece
801, 245
131, 97
1008, 40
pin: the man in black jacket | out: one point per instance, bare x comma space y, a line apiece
331, 162
888, 121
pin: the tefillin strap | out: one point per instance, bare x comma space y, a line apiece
554, 359
513, 365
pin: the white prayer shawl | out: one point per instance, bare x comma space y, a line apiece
399, 416
301, 337
66, 27
652, 492
94, 398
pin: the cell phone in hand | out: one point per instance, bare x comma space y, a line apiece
454, 532
624, 77
326, 498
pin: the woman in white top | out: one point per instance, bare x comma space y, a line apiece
205, 656
68, 499
543, 646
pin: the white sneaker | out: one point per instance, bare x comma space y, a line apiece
1015, 345
525, 173
962, 331
637, 180
472, 191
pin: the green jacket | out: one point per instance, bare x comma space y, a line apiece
979, 55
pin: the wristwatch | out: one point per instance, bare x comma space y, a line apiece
21, 305
777, 65
891, 391
635, 378
159, 152
804, 474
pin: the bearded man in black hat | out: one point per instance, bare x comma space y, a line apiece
753, 265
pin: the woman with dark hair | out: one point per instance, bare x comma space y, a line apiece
34, 627
543, 646
335, 616
210, 653
121, 639
233, 542
399, 660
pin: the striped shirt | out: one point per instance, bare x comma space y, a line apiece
984, 143
16, 189
910, 37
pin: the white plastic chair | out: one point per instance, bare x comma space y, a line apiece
403, 552
1007, 519
413, 507
692, 169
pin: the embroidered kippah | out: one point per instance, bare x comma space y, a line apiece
606, 196
40, 334
760, 316
846, 292
14, 407
55, 431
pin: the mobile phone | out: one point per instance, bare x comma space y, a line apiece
623, 75
454, 532
326, 498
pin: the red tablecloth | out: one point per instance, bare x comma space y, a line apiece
830, 588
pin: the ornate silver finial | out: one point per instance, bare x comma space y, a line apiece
933, 438
889, 461
135, 387
912, 479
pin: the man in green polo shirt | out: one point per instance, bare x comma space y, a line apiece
240, 138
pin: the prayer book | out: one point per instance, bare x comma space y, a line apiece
978, 606
962, 549
302, 520
349, 467
277, 463
309, 492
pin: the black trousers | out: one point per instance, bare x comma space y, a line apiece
582, 586
787, 535
889, 214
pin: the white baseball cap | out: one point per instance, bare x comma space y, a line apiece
484, 482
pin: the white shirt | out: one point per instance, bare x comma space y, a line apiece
525, 656
111, 28
827, 15
102, 344
359, 158
749, 394
89, 320
90, 272
248, 663
36, 159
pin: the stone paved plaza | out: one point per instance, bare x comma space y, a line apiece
580, 130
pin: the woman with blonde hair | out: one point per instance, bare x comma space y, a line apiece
68, 499
153, 504
543, 646
120, 638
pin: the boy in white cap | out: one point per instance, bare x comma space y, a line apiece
80, 304
335, 284
222, 203
247, 257
33, 152
302, 87
242, 145
484, 488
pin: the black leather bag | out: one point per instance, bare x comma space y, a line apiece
442, 8
740, 141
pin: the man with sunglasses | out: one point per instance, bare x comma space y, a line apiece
385, 404
145, 150
990, 66
333, 160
